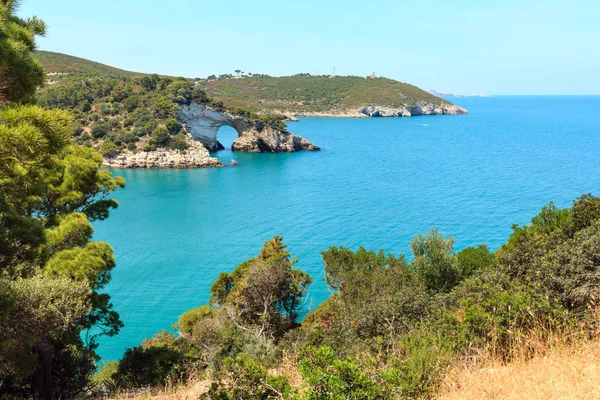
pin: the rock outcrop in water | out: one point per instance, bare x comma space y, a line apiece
271, 140
408, 111
203, 124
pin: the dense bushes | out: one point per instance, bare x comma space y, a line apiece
392, 326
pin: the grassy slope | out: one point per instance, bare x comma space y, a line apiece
62, 63
265, 93
565, 372
316, 93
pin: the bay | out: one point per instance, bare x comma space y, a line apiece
377, 182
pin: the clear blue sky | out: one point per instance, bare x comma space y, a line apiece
463, 46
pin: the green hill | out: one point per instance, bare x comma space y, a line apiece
301, 93
307, 93
65, 64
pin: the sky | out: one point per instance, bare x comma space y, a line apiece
459, 46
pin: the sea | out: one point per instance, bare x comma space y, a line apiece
377, 182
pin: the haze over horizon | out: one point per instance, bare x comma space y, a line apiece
517, 47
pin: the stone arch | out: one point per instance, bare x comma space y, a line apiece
203, 124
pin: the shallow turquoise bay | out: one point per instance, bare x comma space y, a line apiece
377, 182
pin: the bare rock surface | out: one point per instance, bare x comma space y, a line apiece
271, 140
203, 124
197, 156
408, 111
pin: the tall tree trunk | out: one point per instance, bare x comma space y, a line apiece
42, 377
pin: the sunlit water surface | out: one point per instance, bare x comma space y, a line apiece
377, 182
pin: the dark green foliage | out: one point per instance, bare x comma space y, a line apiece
62, 63
149, 82
20, 72
247, 379
151, 364
314, 93
160, 137
472, 259
274, 120
108, 149
330, 378
173, 126
99, 129
179, 142
435, 262
263, 294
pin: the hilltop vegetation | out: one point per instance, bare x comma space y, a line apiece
58, 63
301, 93
304, 93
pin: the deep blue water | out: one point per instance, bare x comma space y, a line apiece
377, 182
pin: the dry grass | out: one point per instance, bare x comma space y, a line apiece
191, 390
560, 372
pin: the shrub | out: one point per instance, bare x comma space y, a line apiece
329, 378
247, 379
160, 137
100, 129
108, 149
179, 142
151, 364
173, 126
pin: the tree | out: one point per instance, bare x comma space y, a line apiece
435, 262
173, 126
160, 137
100, 129
264, 294
50, 271
149, 82
20, 72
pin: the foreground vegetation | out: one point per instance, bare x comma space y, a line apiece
52, 307
393, 328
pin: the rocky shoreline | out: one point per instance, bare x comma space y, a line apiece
202, 124
378, 111
197, 156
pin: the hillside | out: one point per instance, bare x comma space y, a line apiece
302, 94
305, 93
58, 63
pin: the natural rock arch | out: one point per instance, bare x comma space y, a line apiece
203, 124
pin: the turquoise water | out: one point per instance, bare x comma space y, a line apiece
378, 182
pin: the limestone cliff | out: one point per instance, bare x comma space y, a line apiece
418, 109
203, 124
271, 140
195, 157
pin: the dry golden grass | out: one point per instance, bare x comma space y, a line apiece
191, 390
561, 372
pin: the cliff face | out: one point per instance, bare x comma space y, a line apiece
419, 109
203, 124
271, 140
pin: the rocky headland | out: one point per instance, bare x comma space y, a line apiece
201, 124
